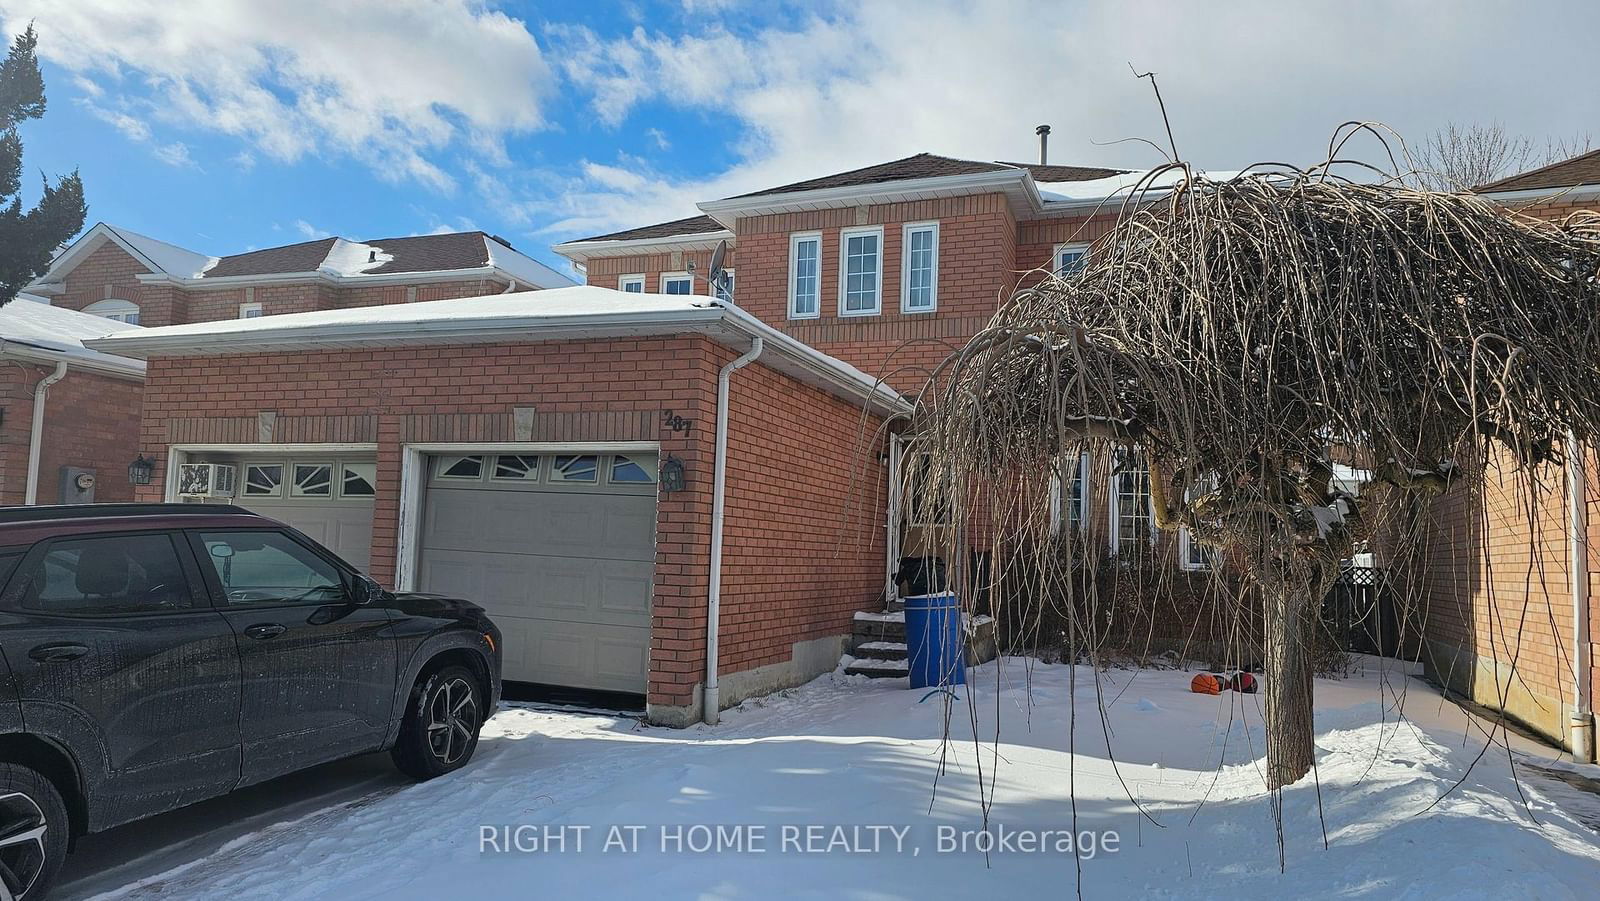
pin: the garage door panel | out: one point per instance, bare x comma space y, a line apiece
567, 572
344, 528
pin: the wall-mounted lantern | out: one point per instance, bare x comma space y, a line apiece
672, 477
140, 470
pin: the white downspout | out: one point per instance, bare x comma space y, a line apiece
711, 695
1582, 725
36, 437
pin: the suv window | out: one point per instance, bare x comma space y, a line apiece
265, 567
107, 575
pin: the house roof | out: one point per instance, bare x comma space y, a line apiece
32, 329
922, 165
579, 312
1583, 169
693, 225
1047, 173
331, 257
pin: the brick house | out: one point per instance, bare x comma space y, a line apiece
114, 275
1515, 628
556, 453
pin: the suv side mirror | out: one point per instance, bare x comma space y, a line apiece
368, 591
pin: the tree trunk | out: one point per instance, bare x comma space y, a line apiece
1290, 734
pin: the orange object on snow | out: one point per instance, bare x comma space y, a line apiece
1207, 684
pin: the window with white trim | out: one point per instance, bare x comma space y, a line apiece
627, 470
250, 311
115, 310
358, 479
860, 271
1070, 259
919, 267
468, 467
1192, 555
516, 468
631, 284
724, 286
1076, 500
312, 480
1132, 510
576, 468
263, 480
805, 275
677, 283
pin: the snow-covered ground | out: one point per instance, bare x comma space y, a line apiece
848, 752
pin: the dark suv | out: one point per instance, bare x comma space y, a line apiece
155, 655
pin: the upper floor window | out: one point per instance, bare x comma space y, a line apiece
632, 284
1070, 259
860, 270
249, 310
919, 267
724, 286
115, 310
677, 283
805, 275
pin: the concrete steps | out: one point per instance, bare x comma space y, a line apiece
878, 644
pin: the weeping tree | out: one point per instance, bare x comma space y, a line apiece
1236, 340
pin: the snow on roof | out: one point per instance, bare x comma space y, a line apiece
59, 332
348, 258
581, 311
525, 269
169, 258
1116, 187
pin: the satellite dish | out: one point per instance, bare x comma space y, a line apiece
717, 257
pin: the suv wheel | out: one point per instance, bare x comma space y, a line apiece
33, 832
440, 730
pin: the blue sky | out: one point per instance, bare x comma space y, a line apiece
223, 125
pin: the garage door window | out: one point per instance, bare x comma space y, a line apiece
359, 479
312, 480
516, 468
583, 468
633, 470
263, 480
460, 468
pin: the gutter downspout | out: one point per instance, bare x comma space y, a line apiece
36, 437
1581, 727
711, 695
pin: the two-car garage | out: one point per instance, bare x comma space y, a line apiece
560, 548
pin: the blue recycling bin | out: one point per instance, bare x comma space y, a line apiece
935, 646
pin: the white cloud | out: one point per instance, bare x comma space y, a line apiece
390, 82
310, 231
868, 82
175, 154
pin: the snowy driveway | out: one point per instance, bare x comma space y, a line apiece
857, 754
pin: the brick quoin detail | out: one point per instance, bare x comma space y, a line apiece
804, 543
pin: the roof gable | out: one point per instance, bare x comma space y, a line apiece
922, 165
693, 225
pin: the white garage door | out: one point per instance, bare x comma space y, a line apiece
560, 549
329, 499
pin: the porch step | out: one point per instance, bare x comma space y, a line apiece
881, 650
877, 669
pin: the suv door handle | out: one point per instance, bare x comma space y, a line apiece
58, 652
263, 631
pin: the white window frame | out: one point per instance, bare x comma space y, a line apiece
1186, 545
373, 481
845, 234
623, 281
1055, 257
245, 309
675, 276
1114, 503
906, 232
1060, 517
116, 309
294, 483
795, 241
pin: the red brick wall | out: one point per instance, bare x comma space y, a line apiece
604, 272
91, 421
645, 375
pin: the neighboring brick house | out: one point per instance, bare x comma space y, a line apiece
1501, 588
114, 275
86, 405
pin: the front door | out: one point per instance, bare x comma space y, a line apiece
114, 646
318, 669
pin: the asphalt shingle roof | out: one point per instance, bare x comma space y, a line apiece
1579, 170
694, 225
415, 253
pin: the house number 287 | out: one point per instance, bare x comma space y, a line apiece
675, 422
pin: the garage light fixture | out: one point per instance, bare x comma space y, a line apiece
140, 469
672, 478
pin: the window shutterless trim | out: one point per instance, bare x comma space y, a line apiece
245, 309
845, 234
677, 276
1055, 254
624, 280
906, 231
795, 240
